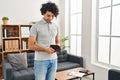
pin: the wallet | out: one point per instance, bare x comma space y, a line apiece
56, 48
83, 71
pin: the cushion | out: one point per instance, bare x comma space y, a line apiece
18, 60
67, 65
30, 59
62, 56
25, 74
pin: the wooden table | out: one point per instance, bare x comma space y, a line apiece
63, 75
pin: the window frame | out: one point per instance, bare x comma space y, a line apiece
95, 35
69, 30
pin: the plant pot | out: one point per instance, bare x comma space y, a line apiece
5, 22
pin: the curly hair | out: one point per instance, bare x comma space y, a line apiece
49, 6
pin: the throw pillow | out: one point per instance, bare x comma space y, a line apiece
18, 61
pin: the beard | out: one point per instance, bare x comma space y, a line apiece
48, 21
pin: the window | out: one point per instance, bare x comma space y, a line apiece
108, 32
75, 17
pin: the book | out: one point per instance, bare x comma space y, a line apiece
5, 33
25, 31
56, 48
76, 74
6, 45
24, 45
16, 45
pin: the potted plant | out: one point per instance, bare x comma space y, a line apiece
5, 20
62, 41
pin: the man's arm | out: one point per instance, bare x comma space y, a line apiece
57, 40
33, 46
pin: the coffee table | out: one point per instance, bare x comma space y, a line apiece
63, 75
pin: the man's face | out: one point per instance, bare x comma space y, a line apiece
48, 16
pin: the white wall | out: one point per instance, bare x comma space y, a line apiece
100, 73
26, 11
21, 11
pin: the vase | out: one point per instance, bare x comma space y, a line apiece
5, 22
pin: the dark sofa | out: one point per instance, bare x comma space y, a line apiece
113, 74
65, 61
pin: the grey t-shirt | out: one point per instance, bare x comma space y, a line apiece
45, 34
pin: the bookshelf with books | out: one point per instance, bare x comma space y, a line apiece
25, 31
14, 39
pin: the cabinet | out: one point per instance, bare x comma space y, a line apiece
14, 39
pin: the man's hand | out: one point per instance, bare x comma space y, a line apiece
49, 50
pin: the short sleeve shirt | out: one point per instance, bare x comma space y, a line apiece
45, 34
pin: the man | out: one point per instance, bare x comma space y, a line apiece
42, 35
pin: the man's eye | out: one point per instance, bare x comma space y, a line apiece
48, 15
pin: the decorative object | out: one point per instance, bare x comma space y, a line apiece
5, 20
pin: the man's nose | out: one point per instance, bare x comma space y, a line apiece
50, 18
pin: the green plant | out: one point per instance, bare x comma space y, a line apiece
62, 41
5, 18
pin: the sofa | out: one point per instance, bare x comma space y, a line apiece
113, 74
65, 61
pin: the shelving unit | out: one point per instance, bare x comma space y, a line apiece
14, 40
